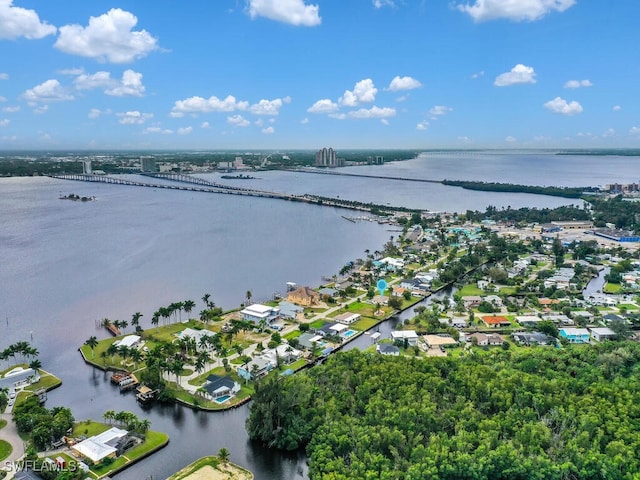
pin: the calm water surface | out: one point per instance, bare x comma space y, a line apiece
64, 265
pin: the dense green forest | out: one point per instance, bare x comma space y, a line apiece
530, 215
566, 192
541, 413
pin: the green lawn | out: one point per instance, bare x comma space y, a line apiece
628, 306
293, 334
508, 290
152, 441
3, 423
89, 428
612, 288
470, 289
297, 364
5, 449
317, 323
364, 323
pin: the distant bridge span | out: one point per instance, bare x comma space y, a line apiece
201, 185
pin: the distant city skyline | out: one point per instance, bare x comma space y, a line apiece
299, 74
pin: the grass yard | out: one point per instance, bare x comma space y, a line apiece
470, 289
5, 449
628, 306
364, 323
612, 288
292, 334
89, 428
508, 290
3, 423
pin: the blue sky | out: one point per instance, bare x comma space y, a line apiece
284, 74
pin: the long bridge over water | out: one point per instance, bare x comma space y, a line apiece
195, 184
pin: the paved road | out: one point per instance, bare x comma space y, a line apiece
10, 434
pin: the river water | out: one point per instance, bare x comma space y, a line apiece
64, 265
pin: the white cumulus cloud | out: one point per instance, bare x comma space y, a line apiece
515, 10
268, 130
634, 130
91, 81
510, 139
403, 83
424, 125
109, 37
16, 22
578, 84
373, 112
478, 75
4, 122
12, 109
439, 110
49, 91
41, 110
134, 117
268, 107
205, 105
96, 112
4, 76
616, 108
363, 92
518, 74
323, 106
204, 125
184, 131
130, 85
560, 105
238, 121
163, 131
293, 12
304, 121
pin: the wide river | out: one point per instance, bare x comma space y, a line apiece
64, 265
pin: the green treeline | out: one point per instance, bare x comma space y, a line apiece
531, 215
541, 413
566, 192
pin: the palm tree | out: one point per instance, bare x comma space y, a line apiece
136, 356
248, 296
109, 416
223, 455
35, 364
188, 305
135, 320
144, 425
155, 319
92, 342
112, 350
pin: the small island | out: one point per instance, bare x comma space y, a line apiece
77, 198
213, 468
238, 177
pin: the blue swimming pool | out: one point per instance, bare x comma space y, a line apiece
223, 399
349, 333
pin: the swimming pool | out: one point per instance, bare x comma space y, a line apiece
223, 399
349, 333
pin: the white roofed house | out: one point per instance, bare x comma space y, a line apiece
101, 446
129, 341
603, 333
410, 336
347, 318
261, 314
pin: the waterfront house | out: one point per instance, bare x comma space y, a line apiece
328, 292
129, 341
559, 320
256, 368
216, 387
347, 318
290, 310
402, 336
19, 377
304, 296
325, 330
196, 335
102, 446
260, 314
284, 353
380, 300
575, 335
308, 340
387, 349
603, 333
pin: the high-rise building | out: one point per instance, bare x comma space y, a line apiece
326, 157
87, 169
148, 164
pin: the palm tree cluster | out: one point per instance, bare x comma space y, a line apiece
172, 312
127, 420
24, 351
